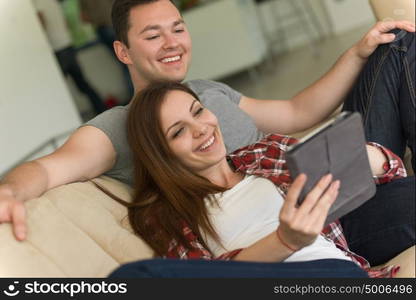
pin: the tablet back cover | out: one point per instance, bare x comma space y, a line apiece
340, 150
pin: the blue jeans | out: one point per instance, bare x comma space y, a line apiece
384, 226
174, 268
385, 96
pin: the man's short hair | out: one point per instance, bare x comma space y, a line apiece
120, 17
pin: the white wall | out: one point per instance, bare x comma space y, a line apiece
348, 14
230, 43
280, 14
35, 104
334, 16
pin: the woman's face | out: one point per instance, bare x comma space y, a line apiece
191, 132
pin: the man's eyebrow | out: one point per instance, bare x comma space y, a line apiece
178, 22
176, 123
150, 27
158, 27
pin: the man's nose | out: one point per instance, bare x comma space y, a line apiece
170, 41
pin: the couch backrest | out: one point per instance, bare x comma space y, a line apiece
74, 231
394, 9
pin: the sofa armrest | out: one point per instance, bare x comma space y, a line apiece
406, 261
394, 9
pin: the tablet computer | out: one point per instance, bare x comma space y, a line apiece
337, 147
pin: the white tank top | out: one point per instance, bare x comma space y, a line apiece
250, 211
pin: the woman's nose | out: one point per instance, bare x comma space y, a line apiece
200, 130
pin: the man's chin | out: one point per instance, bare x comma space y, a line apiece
172, 77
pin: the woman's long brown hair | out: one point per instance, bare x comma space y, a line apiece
166, 193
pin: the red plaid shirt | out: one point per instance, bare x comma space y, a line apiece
266, 159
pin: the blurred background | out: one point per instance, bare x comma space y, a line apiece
263, 48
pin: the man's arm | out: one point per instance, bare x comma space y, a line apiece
87, 154
318, 101
377, 160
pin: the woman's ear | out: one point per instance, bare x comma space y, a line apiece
122, 52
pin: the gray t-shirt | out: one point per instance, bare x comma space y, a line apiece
237, 127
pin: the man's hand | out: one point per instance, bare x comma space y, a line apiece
13, 211
377, 160
379, 34
88, 153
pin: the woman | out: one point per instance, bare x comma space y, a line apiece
193, 201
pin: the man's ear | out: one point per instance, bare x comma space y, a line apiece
122, 53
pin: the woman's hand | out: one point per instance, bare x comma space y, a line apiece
379, 34
300, 226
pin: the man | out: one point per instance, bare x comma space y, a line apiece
153, 41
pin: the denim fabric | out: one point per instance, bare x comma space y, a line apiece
174, 268
68, 62
384, 226
385, 96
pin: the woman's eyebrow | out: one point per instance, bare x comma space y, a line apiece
176, 123
173, 125
192, 105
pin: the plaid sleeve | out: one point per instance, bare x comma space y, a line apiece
197, 250
266, 158
393, 167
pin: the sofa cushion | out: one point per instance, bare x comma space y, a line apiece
73, 231
406, 261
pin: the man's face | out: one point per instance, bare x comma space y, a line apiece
160, 44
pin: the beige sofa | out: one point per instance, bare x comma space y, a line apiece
385, 10
74, 231
77, 231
